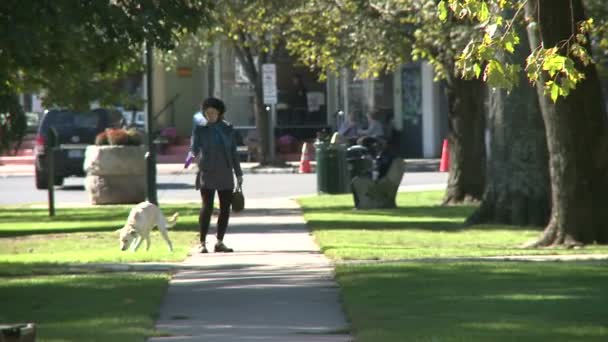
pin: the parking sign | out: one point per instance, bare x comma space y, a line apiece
269, 83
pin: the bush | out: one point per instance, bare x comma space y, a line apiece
119, 136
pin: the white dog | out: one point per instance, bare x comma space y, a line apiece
142, 219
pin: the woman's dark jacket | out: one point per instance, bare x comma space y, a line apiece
208, 141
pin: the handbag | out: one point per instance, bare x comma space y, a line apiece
238, 200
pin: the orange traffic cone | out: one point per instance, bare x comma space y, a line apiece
305, 159
444, 165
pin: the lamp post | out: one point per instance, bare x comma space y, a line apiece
151, 155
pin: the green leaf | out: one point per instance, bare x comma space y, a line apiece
554, 92
554, 63
484, 13
443, 10
495, 75
477, 69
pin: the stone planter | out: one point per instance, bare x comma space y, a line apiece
115, 174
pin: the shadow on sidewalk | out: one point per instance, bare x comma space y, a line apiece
263, 212
259, 228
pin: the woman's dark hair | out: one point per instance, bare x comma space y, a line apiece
212, 102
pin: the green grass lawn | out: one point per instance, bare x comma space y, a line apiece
36, 286
99, 307
30, 241
418, 228
476, 301
406, 299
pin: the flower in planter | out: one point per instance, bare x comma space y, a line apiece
119, 136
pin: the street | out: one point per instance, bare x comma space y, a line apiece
180, 187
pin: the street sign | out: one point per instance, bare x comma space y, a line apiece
269, 83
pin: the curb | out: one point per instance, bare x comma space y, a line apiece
582, 258
181, 266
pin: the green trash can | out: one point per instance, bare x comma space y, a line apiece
332, 170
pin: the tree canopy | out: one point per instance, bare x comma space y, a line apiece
481, 56
71, 49
76, 50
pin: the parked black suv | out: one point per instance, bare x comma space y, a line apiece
75, 131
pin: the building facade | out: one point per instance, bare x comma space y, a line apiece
409, 98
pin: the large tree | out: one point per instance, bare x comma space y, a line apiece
375, 36
572, 107
577, 135
255, 30
517, 189
76, 50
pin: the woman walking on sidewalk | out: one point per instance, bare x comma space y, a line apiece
214, 145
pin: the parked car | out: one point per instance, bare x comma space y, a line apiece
133, 118
75, 130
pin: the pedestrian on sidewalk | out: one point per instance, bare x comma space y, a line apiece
214, 144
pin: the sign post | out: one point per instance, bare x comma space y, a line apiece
149, 127
269, 87
51, 148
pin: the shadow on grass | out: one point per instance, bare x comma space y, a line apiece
10, 270
184, 226
26, 215
415, 211
102, 213
430, 218
434, 226
35, 221
56, 305
103, 296
7, 233
476, 301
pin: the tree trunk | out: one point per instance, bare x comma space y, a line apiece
466, 180
517, 190
576, 128
262, 119
262, 116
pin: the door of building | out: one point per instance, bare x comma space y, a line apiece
411, 97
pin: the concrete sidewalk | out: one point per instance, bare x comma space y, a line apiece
277, 286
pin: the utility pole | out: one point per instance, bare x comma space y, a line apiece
150, 134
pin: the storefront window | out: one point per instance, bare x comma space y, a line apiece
366, 95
